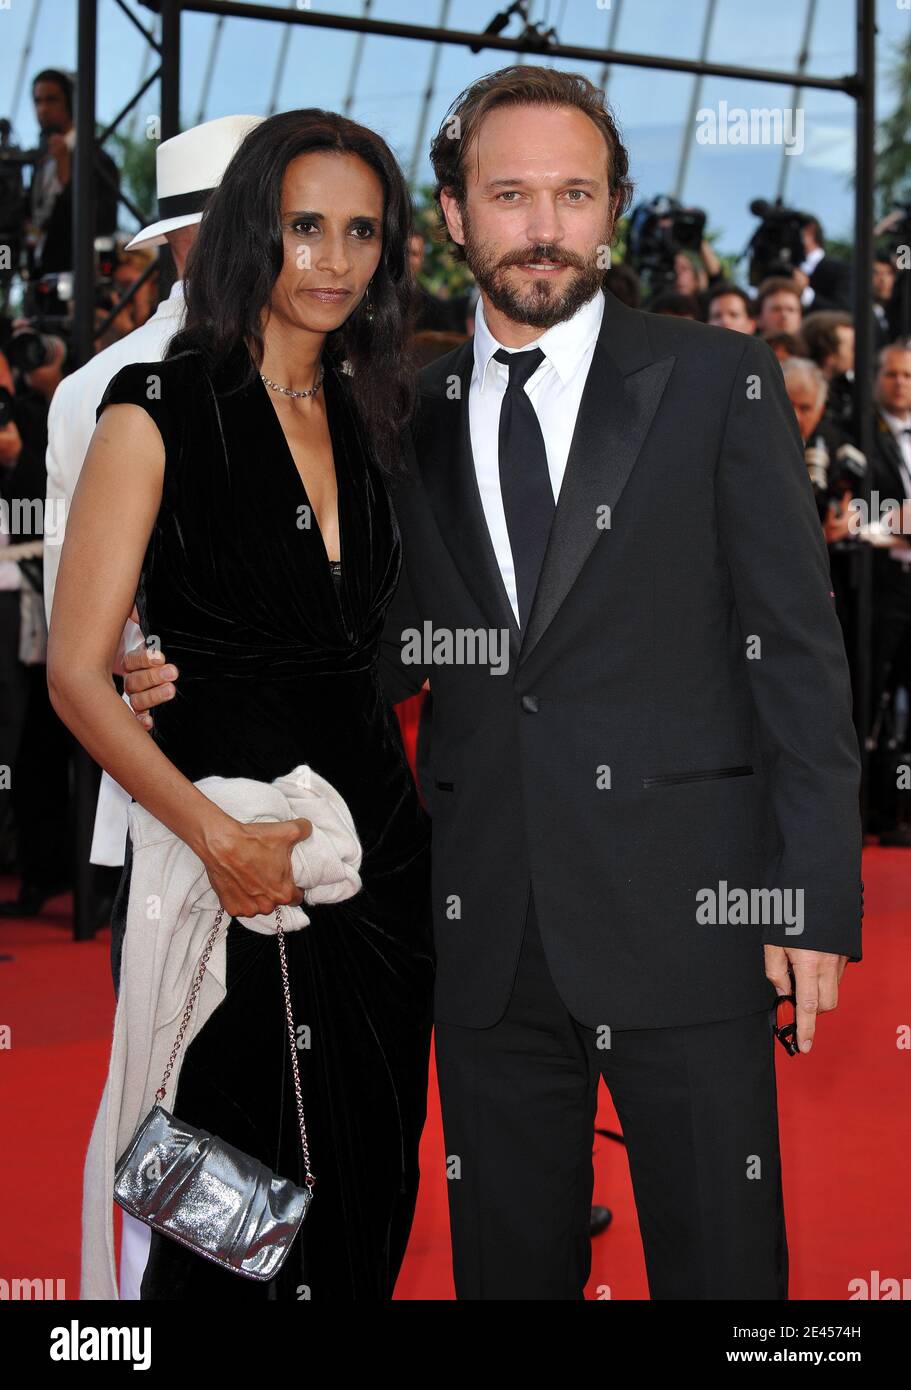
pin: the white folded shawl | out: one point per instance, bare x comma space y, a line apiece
170, 914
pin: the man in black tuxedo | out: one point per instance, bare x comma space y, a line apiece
615, 579
51, 192
675, 717
827, 282
891, 482
885, 304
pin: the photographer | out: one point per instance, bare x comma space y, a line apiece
731, 307
891, 579
667, 248
885, 301
829, 336
778, 307
33, 743
835, 467
825, 282
126, 267
50, 211
697, 274
13, 674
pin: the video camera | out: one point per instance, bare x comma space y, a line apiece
658, 230
776, 247
47, 311
12, 197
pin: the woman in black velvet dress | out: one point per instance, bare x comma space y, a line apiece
265, 567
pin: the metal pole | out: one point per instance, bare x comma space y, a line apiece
86, 774
170, 68
280, 62
417, 153
170, 114
613, 26
356, 56
464, 38
148, 52
863, 330
687, 143
803, 58
210, 69
24, 60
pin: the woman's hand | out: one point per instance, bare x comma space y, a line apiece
249, 865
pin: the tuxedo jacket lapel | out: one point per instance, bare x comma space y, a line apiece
891, 454
443, 444
622, 392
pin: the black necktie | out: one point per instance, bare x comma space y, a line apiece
528, 498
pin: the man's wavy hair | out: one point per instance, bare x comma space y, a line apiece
521, 86
239, 252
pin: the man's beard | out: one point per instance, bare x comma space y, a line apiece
540, 304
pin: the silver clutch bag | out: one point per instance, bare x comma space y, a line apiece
206, 1194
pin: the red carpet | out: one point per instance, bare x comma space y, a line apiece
845, 1117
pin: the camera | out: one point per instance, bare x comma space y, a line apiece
47, 309
658, 230
776, 247
12, 198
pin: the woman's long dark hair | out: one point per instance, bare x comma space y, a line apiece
239, 254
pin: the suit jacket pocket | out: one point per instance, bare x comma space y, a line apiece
670, 779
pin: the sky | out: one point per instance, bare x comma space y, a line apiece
383, 83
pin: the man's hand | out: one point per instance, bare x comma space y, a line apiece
148, 681
817, 975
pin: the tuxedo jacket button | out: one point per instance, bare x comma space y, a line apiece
530, 704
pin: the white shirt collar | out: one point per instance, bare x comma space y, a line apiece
895, 423
564, 345
811, 260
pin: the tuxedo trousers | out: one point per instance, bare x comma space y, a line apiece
698, 1109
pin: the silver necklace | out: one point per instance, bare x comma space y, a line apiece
286, 390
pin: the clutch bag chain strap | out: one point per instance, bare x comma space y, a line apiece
286, 988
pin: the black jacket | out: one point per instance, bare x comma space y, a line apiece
641, 747
57, 251
890, 577
832, 281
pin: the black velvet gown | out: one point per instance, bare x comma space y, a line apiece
277, 661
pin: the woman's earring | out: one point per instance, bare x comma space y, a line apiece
368, 307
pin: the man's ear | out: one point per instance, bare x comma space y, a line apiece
615, 209
453, 214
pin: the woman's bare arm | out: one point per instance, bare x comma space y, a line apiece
108, 528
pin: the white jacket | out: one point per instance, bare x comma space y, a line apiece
171, 912
71, 423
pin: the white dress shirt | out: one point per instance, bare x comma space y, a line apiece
71, 423
46, 189
903, 440
901, 554
555, 391
808, 265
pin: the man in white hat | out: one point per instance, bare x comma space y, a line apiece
188, 167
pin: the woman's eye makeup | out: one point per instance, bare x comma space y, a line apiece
364, 229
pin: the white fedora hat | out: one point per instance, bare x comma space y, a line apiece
187, 168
